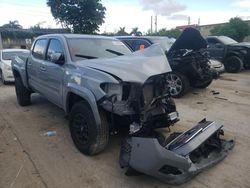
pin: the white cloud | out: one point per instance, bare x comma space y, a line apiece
163, 7
27, 15
178, 17
242, 3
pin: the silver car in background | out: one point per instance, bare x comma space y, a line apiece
6, 55
217, 66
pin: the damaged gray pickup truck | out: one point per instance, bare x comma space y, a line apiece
104, 87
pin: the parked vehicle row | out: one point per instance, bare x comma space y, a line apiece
104, 87
186, 56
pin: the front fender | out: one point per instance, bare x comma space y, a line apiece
84, 93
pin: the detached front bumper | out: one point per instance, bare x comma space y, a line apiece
176, 160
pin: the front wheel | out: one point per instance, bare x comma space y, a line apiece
89, 137
233, 64
178, 84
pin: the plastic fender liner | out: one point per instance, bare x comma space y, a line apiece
148, 156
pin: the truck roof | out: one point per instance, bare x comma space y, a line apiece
14, 50
77, 36
141, 37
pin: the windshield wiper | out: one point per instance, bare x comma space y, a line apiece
85, 56
114, 52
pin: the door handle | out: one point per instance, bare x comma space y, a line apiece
29, 63
42, 68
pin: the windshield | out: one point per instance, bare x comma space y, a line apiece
165, 43
227, 40
90, 48
10, 55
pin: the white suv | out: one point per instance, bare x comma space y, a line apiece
6, 55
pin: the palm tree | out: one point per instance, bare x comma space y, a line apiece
121, 31
13, 24
135, 31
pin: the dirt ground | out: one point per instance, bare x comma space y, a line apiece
28, 159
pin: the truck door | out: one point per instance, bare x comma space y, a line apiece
52, 73
215, 48
34, 64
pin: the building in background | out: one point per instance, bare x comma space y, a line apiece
23, 38
206, 29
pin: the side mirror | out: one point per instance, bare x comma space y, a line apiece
219, 45
57, 58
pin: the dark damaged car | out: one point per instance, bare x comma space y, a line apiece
187, 58
234, 55
103, 87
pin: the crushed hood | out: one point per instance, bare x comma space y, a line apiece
136, 67
190, 39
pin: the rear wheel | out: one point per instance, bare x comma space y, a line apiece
89, 137
246, 66
233, 64
22, 93
178, 84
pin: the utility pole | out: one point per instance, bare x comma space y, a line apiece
156, 23
1, 42
151, 27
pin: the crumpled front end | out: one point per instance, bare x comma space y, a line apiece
141, 107
178, 158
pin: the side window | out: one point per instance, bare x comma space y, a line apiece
140, 44
128, 43
54, 47
136, 44
39, 48
212, 42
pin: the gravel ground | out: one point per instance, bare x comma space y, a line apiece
29, 159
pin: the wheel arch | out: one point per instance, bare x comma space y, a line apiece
16, 73
74, 95
231, 54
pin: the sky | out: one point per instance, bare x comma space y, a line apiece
133, 13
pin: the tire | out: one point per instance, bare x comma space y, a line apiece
22, 93
204, 84
178, 84
246, 66
88, 137
233, 64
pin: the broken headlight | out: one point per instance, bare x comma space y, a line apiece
112, 89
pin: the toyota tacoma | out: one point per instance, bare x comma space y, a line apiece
104, 87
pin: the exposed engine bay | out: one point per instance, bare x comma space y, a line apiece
188, 55
146, 106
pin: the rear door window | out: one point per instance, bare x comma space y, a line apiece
39, 48
137, 44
